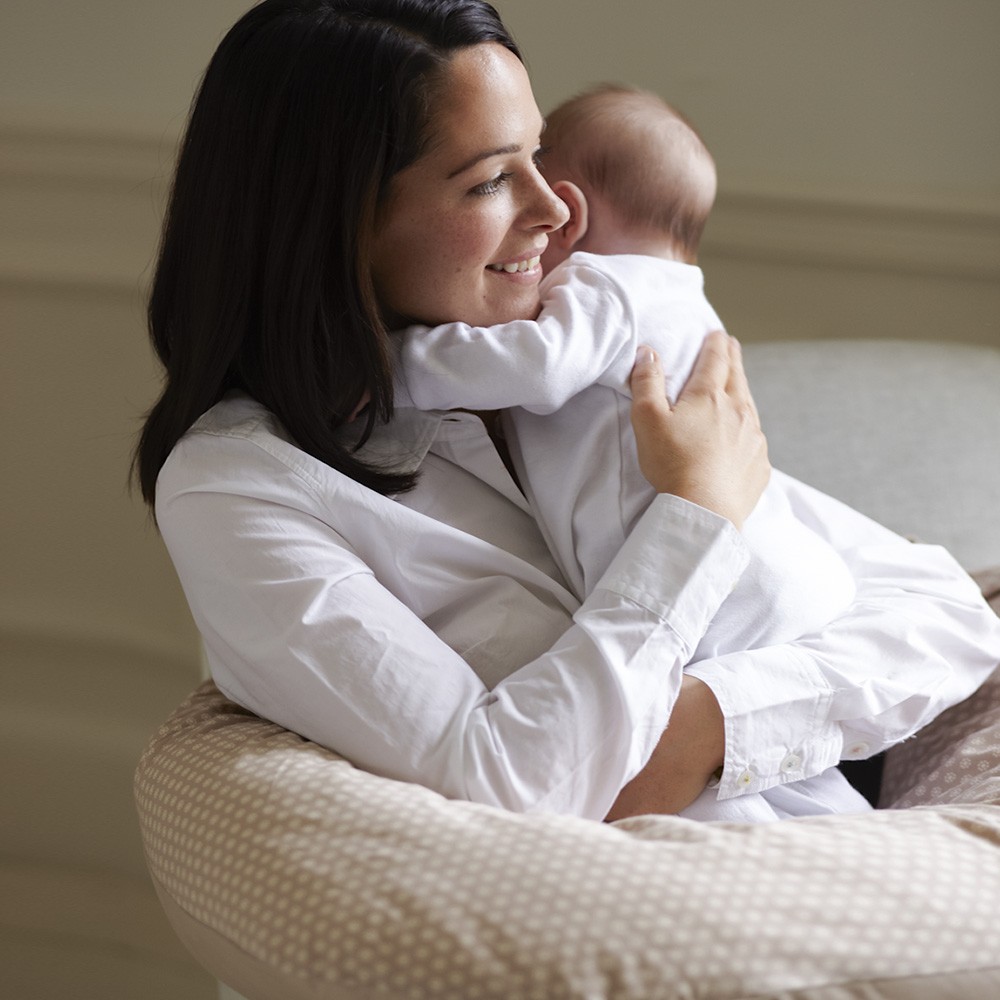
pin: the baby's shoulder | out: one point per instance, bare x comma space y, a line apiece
629, 274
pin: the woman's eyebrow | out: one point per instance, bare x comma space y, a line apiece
479, 157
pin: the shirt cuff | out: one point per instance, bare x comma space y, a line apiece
777, 720
680, 563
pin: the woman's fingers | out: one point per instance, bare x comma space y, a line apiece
719, 368
737, 385
713, 367
646, 381
708, 448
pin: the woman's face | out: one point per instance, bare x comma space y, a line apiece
462, 228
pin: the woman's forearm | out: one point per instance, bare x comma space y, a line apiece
690, 750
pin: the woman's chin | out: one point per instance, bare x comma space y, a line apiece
500, 301
517, 299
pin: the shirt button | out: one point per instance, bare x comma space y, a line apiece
859, 749
745, 779
791, 763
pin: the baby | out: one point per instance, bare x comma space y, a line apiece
639, 184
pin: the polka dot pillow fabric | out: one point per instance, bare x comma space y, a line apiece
345, 885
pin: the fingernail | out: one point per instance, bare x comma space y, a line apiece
645, 356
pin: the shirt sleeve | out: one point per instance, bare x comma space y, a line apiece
917, 639
298, 629
584, 334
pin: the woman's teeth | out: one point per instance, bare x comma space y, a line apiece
523, 265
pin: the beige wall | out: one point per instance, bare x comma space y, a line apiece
857, 146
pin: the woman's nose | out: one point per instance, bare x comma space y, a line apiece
548, 211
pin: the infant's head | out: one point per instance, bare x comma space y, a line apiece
643, 178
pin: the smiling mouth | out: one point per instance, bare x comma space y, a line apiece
528, 264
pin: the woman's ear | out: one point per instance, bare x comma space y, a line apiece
572, 233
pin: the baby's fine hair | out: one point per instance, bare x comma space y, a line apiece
641, 156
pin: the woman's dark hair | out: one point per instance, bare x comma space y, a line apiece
263, 283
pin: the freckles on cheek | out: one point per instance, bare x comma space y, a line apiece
458, 259
467, 243
463, 253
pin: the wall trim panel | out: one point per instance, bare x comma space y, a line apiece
80, 208
941, 241
83, 208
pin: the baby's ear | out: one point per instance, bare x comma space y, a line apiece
573, 232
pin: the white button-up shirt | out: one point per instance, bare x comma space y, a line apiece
429, 637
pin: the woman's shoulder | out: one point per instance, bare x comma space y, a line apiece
236, 415
237, 424
239, 447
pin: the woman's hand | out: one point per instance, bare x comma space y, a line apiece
708, 447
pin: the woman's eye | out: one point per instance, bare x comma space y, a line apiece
539, 155
493, 185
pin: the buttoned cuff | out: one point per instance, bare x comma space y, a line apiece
777, 720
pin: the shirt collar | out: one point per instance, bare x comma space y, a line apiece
402, 444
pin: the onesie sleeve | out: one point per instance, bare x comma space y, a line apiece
917, 639
585, 333
298, 629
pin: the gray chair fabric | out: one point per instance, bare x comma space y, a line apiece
906, 432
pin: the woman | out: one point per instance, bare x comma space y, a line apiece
373, 579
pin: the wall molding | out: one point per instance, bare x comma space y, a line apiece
82, 207
64, 633
81, 699
820, 231
88, 155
